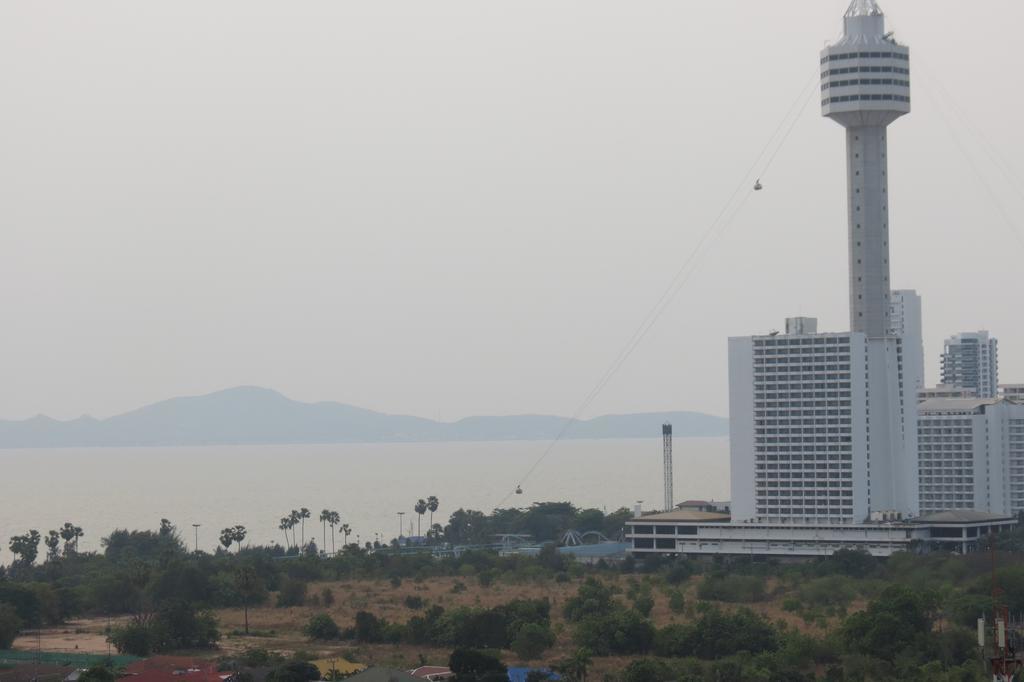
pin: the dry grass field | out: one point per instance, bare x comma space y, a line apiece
280, 629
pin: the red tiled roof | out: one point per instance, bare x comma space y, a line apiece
173, 669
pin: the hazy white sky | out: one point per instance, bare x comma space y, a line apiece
461, 207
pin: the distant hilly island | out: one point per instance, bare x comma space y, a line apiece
250, 415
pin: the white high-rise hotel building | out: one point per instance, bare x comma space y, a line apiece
820, 427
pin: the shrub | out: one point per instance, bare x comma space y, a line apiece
619, 632
676, 601
732, 588
472, 664
679, 572
133, 639
327, 596
259, 658
414, 602
369, 628
292, 593
647, 670
532, 640
592, 598
716, 635
322, 626
98, 673
178, 626
644, 604
10, 625
294, 671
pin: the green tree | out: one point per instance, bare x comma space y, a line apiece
576, 666
71, 533
294, 671
227, 536
420, 508
10, 624
432, 505
303, 515
283, 527
890, 624
471, 664
647, 670
333, 521
232, 534
293, 520
249, 587
321, 626
238, 536
532, 640
98, 673
52, 542
592, 598
324, 516
26, 547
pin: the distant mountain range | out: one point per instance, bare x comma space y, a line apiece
250, 415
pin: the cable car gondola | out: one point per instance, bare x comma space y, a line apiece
758, 186
519, 490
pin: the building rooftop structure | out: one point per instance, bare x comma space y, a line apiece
960, 516
864, 8
955, 404
684, 515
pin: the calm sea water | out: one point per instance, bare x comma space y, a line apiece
101, 489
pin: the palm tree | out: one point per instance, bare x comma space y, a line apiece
67, 532
293, 520
303, 515
52, 542
238, 534
575, 667
283, 527
345, 531
324, 515
432, 505
420, 508
227, 536
334, 519
78, 533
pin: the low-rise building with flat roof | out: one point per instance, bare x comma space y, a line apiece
693, 533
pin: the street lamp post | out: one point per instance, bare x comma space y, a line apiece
196, 526
400, 515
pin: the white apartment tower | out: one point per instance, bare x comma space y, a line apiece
906, 323
817, 421
971, 455
971, 360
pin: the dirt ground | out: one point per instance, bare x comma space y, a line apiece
280, 629
85, 636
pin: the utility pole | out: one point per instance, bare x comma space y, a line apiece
196, 526
400, 515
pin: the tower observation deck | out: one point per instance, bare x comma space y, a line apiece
865, 86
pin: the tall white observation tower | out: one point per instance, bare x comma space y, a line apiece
865, 86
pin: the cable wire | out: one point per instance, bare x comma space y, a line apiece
722, 220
